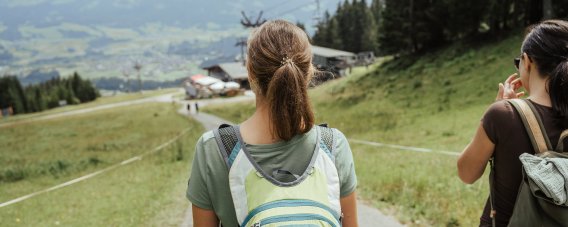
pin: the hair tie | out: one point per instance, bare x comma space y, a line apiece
286, 60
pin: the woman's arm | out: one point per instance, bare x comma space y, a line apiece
349, 209
475, 156
204, 218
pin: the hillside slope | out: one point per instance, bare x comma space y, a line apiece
442, 95
433, 101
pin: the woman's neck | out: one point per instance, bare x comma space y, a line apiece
539, 93
256, 129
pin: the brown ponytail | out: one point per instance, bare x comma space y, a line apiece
558, 88
547, 44
279, 63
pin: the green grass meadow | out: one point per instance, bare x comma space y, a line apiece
433, 101
148, 192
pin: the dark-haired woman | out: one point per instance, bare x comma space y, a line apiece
543, 72
280, 137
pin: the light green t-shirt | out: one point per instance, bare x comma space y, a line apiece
208, 186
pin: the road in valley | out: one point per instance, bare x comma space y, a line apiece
159, 98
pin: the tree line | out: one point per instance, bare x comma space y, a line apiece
411, 26
45, 95
114, 84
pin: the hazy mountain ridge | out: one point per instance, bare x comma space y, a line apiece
131, 14
101, 39
120, 14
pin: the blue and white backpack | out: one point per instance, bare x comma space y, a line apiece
312, 199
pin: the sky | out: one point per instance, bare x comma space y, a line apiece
209, 14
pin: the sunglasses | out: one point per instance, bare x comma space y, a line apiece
517, 61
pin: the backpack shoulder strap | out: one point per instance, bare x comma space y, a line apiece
227, 141
560, 146
327, 139
493, 212
533, 124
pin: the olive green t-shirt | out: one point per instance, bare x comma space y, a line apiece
208, 186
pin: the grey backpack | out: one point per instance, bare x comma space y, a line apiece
532, 206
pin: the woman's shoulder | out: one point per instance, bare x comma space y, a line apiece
207, 145
339, 134
206, 138
500, 110
501, 106
341, 144
500, 120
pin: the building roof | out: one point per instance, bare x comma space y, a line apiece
216, 61
330, 53
235, 70
204, 80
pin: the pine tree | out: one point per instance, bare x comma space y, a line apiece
376, 9
15, 101
334, 39
415, 26
5, 84
39, 99
76, 83
321, 35
12, 95
394, 28
461, 18
560, 8
21, 95
345, 20
301, 26
369, 37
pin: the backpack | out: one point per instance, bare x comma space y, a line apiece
312, 199
532, 206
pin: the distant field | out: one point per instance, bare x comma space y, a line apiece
70, 47
149, 192
434, 101
99, 101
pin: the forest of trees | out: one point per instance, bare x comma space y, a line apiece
411, 26
46, 95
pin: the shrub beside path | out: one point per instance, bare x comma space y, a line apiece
367, 215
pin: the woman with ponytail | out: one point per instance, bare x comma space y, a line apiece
543, 73
280, 138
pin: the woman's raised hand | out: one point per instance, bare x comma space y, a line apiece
508, 90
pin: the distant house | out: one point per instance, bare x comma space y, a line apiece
215, 61
365, 58
229, 71
200, 86
332, 60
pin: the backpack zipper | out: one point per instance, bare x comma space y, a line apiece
291, 203
293, 217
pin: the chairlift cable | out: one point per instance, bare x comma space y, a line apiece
293, 9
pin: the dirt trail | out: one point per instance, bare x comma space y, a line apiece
367, 215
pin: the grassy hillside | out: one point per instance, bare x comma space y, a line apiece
151, 191
433, 101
